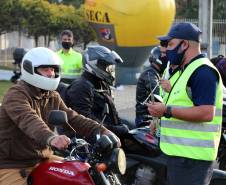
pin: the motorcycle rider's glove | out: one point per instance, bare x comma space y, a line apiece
113, 138
119, 130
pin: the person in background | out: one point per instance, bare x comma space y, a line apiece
72, 60
26, 137
220, 63
192, 116
147, 82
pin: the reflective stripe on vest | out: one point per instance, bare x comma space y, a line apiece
196, 140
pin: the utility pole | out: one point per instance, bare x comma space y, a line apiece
205, 24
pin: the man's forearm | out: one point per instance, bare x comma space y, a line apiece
201, 113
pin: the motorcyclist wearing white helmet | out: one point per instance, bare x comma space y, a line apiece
25, 135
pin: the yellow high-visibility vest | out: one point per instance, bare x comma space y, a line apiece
196, 140
72, 63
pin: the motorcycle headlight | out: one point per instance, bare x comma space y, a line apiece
118, 161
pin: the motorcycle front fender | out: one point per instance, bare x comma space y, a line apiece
130, 162
219, 174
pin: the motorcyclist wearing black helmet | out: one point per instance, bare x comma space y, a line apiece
89, 94
147, 82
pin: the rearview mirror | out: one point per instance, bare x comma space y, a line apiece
57, 118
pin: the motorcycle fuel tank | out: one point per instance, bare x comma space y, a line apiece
58, 173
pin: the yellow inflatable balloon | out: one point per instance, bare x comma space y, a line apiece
135, 22
130, 27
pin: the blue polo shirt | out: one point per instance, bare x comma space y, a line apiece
202, 84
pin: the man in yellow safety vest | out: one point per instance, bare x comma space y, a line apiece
72, 60
192, 114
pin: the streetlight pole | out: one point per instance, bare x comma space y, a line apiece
205, 24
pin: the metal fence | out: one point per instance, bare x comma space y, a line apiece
218, 35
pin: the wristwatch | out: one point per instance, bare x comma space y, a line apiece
168, 113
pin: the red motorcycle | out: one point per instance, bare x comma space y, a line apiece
84, 164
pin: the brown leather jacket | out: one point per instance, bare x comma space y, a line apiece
24, 129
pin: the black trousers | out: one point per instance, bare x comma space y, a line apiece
185, 171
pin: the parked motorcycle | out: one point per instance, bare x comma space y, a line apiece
85, 164
145, 163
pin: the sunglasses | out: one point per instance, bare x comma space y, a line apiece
163, 43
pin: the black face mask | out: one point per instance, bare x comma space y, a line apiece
174, 56
66, 45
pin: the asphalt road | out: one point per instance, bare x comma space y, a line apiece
5, 74
125, 98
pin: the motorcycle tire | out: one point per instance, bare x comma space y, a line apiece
129, 177
222, 161
221, 156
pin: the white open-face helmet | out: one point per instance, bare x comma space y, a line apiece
40, 57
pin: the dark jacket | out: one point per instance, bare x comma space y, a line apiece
24, 128
88, 96
146, 83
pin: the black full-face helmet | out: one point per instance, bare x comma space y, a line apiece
155, 54
156, 58
100, 61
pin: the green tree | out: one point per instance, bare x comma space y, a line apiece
86, 33
187, 8
76, 3
41, 18
37, 18
190, 9
12, 16
63, 17
219, 9
68, 17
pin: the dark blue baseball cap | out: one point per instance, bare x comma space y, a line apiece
185, 31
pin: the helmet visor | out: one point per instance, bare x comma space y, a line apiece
111, 70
